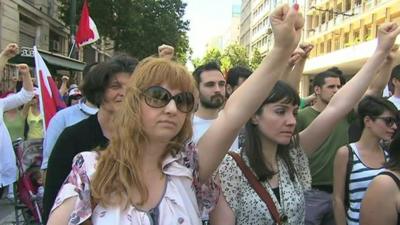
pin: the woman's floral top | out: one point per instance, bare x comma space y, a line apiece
183, 200
247, 206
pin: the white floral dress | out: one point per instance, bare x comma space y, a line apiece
183, 196
247, 206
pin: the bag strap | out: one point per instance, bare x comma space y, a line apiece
258, 188
349, 168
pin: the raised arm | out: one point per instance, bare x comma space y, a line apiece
27, 83
63, 88
348, 96
286, 24
380, 81
9, 52
25, 94
296, 64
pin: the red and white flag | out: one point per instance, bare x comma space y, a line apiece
87, 31
49, 97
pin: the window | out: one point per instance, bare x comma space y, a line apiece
329, 46
347, 5
321, 48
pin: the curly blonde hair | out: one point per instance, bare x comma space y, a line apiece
118, 168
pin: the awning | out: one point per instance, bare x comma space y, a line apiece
53, 61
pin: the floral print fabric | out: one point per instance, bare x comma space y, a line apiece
247, 206
182, 202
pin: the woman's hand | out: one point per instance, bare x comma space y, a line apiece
287, 24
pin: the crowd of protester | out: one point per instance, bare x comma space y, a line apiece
149, 143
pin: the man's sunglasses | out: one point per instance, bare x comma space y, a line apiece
75, 97
158, 97
389, 121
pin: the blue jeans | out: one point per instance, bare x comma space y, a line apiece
319, 208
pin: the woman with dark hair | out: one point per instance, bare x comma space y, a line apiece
275, 155
381, 203
105, 87
352, 175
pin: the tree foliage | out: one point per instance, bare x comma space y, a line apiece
232, 55
256, 59
138, 27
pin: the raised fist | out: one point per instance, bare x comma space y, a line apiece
387, 34
23, 69
287, 23
65, 78
166, 51
10, 51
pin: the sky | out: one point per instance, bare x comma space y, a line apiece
208, 18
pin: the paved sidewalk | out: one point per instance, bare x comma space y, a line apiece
7, 216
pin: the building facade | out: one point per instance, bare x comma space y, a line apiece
343, 32
36, 22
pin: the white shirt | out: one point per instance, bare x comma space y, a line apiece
396, 101
63, 119
8, 165
200, 126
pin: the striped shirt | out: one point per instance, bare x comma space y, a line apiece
360, 177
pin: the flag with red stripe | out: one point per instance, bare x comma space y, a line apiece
49, 97
87, 31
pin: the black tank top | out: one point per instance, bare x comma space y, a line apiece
396, 179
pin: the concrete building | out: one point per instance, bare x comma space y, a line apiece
36, 22
245, 20
255, 28
344, 33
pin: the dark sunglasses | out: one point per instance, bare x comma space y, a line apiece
75, 97
389, 121
158, 97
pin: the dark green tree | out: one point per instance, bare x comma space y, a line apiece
138, 27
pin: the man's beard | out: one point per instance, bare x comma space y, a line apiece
215, 101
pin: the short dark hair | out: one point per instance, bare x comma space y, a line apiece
338, 72
97, 79
373, 107
213, 65
253, 148
396, 72
319, 79
235, 73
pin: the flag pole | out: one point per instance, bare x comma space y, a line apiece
41, 105
72, 49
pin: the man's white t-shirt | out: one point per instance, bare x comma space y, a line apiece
200, 126
396, 101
